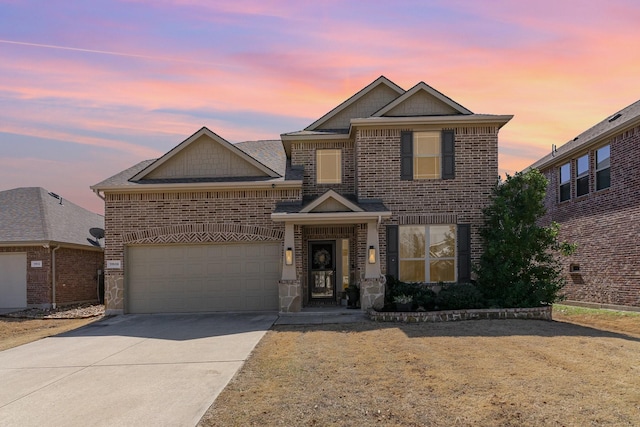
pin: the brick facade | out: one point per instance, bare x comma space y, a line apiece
304, 154
149, 213
603, 225
435, 201
130, 215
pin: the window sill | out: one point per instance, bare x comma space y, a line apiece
602, 191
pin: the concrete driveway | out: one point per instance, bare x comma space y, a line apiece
133, 370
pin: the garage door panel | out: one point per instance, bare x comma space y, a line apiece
253, 267
192, 278
254, 284
13, 280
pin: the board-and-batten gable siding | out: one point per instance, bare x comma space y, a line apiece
205, 158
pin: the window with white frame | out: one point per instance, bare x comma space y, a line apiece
582, 175
565, 182
427, 253
329, 166
603, 167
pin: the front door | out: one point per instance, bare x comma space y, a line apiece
322, 271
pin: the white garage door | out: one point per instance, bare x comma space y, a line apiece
13, 280
192, 278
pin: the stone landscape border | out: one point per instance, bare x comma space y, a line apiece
537, 313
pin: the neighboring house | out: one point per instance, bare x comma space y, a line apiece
47, 254
388, 182
594, 194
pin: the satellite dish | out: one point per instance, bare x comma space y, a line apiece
93, 242
97, 232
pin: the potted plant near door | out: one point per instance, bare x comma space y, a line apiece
403, 302
353, 294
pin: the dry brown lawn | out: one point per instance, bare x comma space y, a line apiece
579, 370
15, 332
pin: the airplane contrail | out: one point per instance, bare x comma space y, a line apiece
103, 52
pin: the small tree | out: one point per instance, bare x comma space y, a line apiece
519, 266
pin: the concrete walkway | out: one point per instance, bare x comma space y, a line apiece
133, 370
322, 315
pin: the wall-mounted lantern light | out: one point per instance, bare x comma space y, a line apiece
288, 256
372, 255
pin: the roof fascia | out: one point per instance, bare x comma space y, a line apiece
329, 217
500, 120
288, 139
47, 244
201, 186
424, 87
351, 100
331, 194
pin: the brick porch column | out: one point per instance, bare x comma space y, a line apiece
289, 286
372, 285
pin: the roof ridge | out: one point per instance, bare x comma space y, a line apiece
44, 217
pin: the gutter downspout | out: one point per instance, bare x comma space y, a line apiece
53, 266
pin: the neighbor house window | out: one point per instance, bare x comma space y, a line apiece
426, 155
603, 167
328, 166
427, 253
565, 182
582, 175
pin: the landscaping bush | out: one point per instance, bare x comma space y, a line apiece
425, 298
519, 266
422, 295
459, 297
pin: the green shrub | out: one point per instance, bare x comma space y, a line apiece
425, 298
519, 266
422, 295
459, 297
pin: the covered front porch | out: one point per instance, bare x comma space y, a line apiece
330, 243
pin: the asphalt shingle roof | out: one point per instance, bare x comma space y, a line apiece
268, 152
367, 205
32, 214
585, 138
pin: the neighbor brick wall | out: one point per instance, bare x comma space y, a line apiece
459, 200
76, 275
604, 225
75, 268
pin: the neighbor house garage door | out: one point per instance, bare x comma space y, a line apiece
192, 278
13, 280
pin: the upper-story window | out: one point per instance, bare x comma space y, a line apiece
565, 182
427, 155
603, 169
329, 166
582, 175
427, 149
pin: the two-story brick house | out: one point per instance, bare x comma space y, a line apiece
593, 195
388, 182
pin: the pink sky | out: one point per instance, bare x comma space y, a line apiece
88, 89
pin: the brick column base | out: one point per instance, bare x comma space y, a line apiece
372, 293
290, 292
114, 293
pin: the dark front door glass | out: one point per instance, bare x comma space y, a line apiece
322, 275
